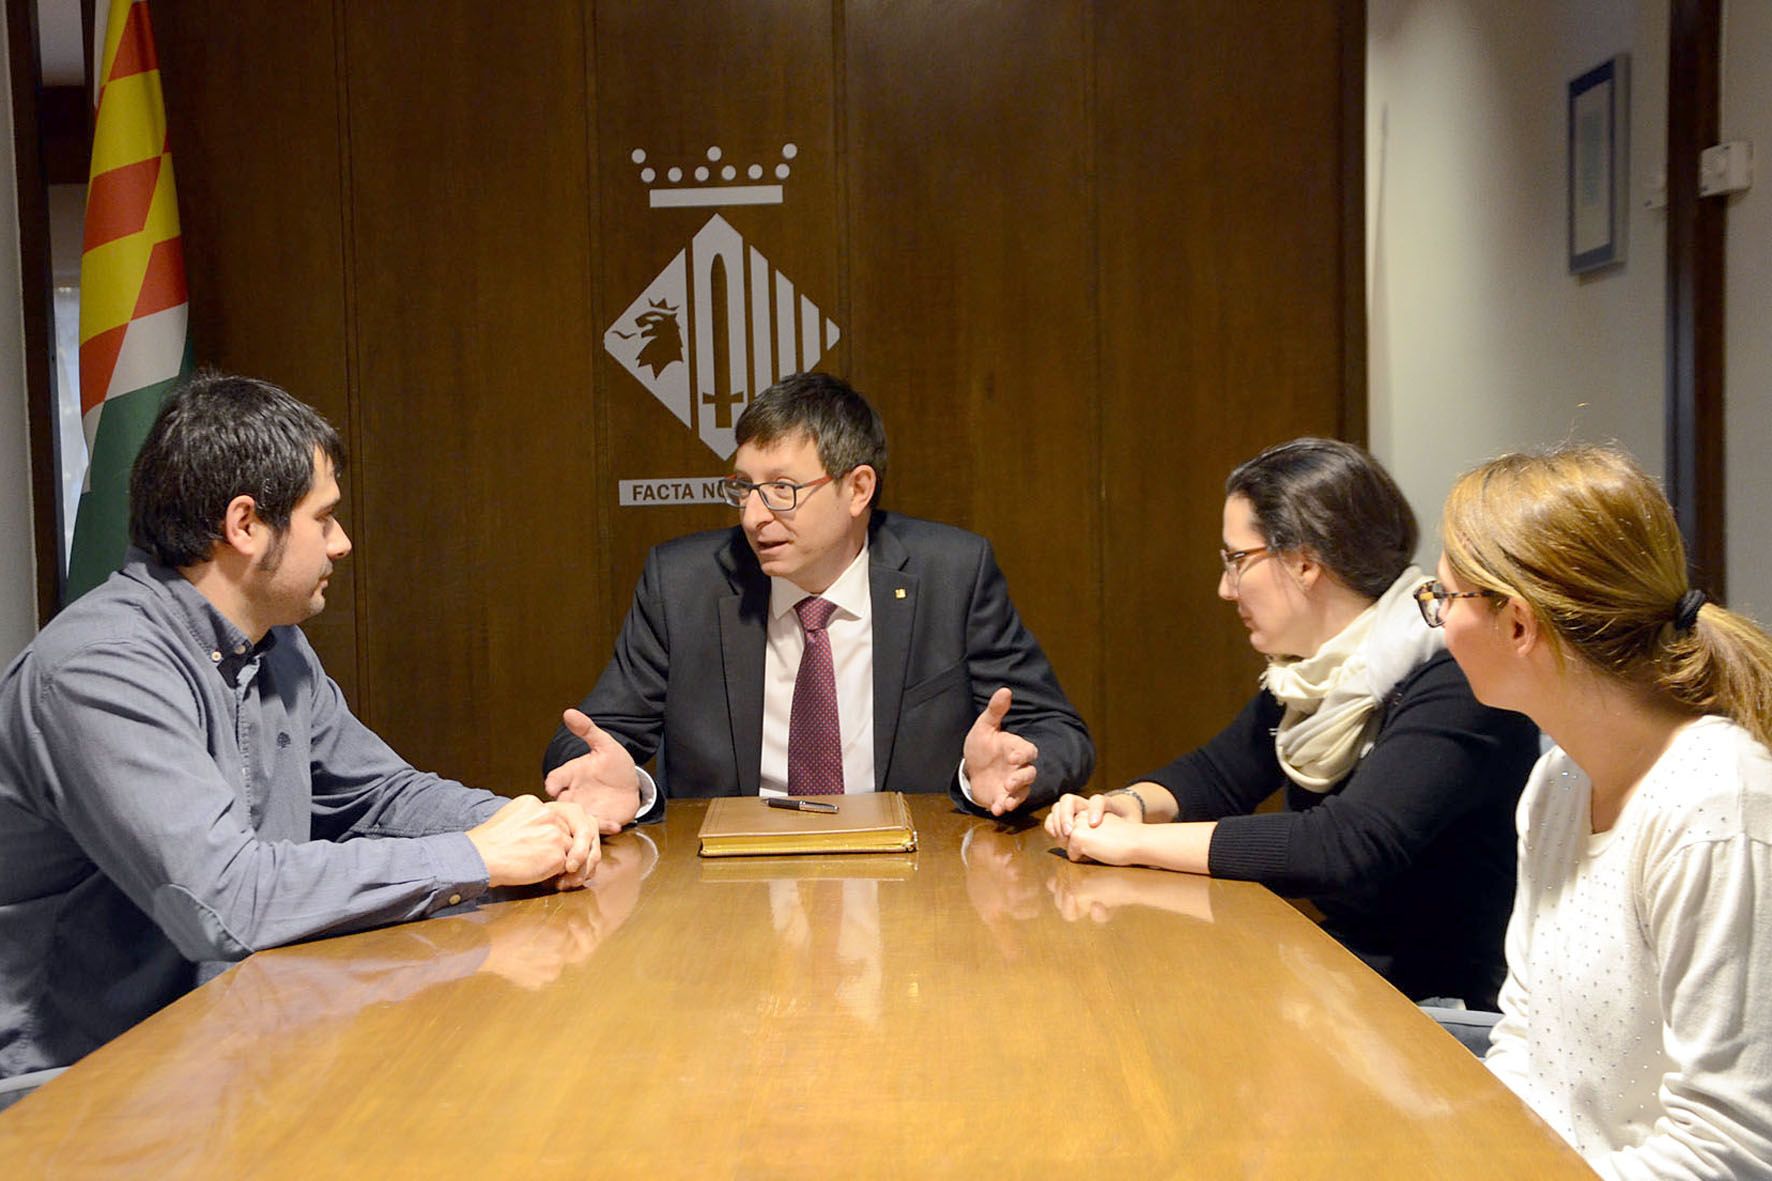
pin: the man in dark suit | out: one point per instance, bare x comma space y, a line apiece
822, 646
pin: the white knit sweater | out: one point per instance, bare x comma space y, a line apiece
1637, 1013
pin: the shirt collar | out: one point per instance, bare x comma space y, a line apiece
223, 643
849, 592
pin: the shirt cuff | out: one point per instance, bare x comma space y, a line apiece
648, 792
461, 874
966, 785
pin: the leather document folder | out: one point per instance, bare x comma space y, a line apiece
875, 822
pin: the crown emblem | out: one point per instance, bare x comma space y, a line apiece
714, 183
720, 322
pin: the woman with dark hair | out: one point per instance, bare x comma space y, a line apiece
1399, 787
1635, 1013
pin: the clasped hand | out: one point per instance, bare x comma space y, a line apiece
1100, 828
530, 841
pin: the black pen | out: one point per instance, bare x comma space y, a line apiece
795, 805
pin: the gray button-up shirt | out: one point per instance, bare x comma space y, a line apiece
171, 795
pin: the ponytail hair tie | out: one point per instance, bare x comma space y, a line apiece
1686, 613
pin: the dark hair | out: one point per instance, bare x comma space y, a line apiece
216, 437
1332, 499
845, 429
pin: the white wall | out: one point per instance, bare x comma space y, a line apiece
18, 604
1481, 340
1747, 114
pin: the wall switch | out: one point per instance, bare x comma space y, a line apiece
1726, 168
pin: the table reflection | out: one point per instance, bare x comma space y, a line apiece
1314, 990
1084, 890
863, 1015
1003, 882
531, 947
304, 1011
828, 931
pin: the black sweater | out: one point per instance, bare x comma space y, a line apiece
1410, 857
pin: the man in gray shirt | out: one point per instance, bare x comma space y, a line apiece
181, 783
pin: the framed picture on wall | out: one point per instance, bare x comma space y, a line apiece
1599, 135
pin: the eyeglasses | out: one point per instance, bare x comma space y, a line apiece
1432, 598
779, 496
1233, 561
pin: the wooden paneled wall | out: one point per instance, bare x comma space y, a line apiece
1085, 257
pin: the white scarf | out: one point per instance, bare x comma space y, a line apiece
1332, 698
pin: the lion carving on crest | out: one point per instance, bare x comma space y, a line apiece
658, 328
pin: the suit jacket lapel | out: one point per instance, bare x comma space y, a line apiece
893, 592
743, 616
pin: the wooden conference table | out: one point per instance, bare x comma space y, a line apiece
981, 1007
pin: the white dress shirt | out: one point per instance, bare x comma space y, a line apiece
851, 630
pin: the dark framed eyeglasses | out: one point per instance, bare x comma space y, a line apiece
1432, 597
1233, 560
779, 496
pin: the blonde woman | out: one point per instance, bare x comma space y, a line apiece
1399, 789
1637, 1011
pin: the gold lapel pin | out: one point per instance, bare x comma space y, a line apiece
898, 593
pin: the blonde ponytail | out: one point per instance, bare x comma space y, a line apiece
1585, 539
1723, 665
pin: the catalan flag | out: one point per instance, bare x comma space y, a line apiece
133, 340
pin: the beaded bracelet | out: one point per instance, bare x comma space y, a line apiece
1143, 813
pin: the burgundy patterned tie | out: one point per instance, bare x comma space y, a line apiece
815, 744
